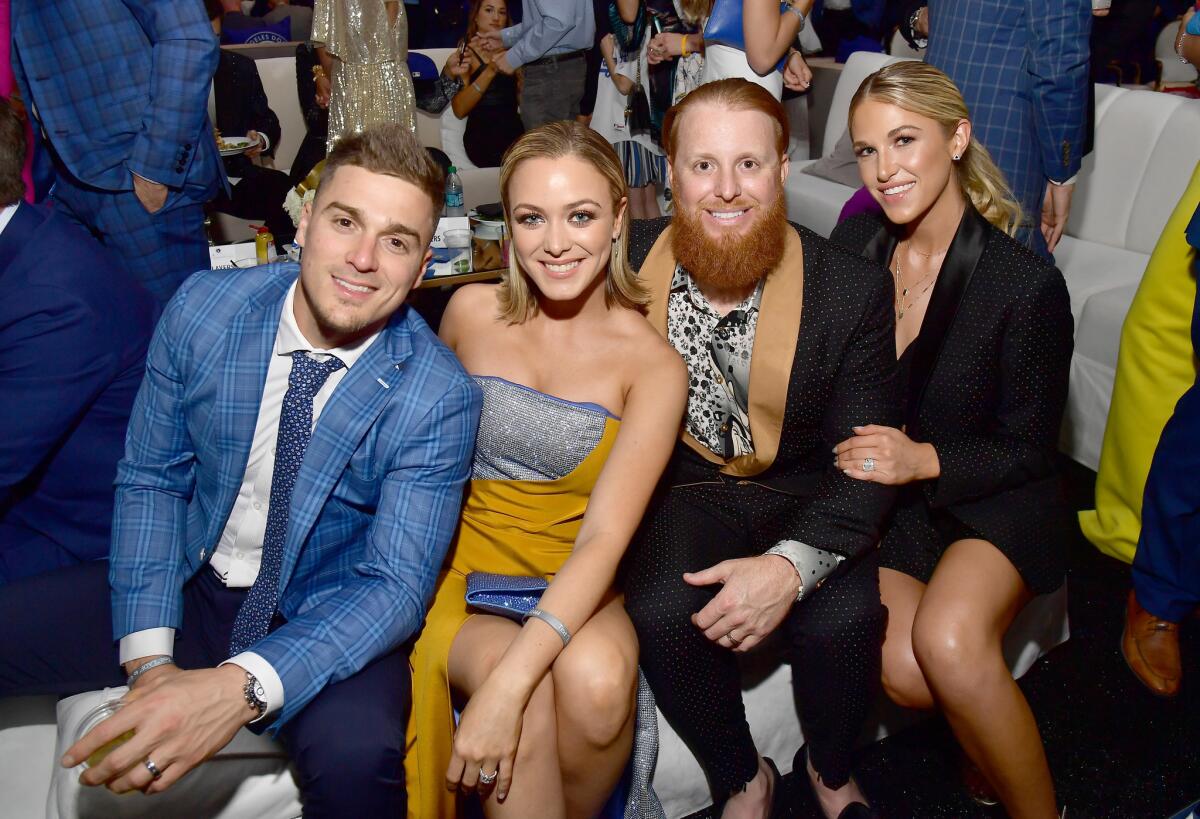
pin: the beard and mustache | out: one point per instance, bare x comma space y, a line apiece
735, 262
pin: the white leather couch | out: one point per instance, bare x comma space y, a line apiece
1146, 144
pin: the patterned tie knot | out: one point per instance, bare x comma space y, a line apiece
309, 375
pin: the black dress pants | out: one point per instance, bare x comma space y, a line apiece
833, 638
347, 744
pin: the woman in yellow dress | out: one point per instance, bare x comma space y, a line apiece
582, 406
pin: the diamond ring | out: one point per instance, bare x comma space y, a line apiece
488, 778
868, 465
153, 769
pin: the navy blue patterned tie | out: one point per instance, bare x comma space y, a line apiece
295, 428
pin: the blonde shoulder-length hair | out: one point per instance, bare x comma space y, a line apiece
556, 140
924, 90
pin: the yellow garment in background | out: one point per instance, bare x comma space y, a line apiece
525, 528
1154, 368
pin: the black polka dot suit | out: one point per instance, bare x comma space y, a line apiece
986, 386
842, 374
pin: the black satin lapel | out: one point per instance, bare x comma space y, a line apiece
957, 269
882, 246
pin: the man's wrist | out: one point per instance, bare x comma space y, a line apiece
794, 569
239, 688
143, 665
931, 465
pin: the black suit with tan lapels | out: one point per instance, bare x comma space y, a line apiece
823, 361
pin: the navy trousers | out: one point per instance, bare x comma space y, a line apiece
347, 745
1166, 567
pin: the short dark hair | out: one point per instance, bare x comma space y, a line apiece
12, 154
393, 150
215, 9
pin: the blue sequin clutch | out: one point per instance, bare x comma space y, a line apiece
507, 595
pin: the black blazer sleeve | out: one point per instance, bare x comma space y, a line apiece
846, 515
1035, 357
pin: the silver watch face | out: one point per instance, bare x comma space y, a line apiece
260, 693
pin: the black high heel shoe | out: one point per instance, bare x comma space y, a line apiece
778, 806
855, 810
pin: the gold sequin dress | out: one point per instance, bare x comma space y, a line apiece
370, 83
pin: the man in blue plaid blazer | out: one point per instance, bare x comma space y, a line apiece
120, 90
197, 523
1022, 66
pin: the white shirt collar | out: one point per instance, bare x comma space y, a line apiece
289, 338
6, 215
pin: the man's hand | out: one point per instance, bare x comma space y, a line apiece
796, 74
756, 595
491, 41
1056, 207
179, 719
502, 64
152, 195
256, 144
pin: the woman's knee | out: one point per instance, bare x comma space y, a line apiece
955, 656
903, 680
595, 692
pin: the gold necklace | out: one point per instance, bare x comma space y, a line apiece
902, 291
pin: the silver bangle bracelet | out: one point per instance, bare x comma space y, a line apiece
146, 666
552, 621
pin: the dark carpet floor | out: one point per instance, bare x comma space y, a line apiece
1114, 749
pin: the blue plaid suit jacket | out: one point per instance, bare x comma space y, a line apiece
376, 499
1022, 66
121, 86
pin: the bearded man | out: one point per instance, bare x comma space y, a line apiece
790, 345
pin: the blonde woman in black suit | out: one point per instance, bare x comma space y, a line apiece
984, 339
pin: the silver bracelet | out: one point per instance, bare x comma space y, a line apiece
146, 666
795, 9
552, 621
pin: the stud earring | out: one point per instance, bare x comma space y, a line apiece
957, 157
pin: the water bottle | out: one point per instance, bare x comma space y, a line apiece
454, 194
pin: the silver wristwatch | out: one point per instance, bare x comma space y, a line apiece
256, 695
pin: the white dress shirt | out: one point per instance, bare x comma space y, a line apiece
238, 555
6, 215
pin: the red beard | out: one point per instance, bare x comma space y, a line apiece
735, 262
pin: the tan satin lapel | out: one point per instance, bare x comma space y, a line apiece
772, 356
657, 272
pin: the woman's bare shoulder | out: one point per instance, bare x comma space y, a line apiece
471, 306
653, 363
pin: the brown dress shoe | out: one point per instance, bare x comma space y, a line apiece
1151, 649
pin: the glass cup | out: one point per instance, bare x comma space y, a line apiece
93, 718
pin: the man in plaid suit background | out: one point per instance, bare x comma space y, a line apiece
119, 88
1022, 67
